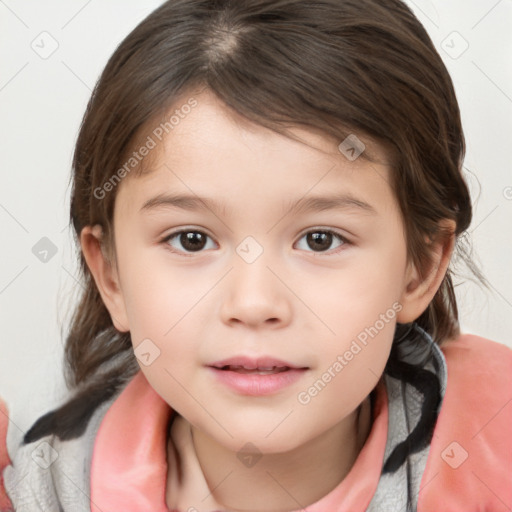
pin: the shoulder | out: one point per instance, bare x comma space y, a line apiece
479, 367
470, 460
52, 473
470, 347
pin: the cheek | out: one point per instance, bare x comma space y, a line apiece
360, 306
346, 376
354, 298
163, 305
159, 296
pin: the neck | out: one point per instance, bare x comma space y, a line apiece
283, 481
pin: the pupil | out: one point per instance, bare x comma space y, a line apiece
192, 241
321, 241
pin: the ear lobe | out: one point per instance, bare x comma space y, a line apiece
104, 275
419, 291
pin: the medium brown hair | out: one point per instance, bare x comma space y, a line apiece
364, 67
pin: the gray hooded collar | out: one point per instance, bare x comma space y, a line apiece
398, 491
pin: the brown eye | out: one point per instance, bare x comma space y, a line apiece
319, 241
190, 241
322, 241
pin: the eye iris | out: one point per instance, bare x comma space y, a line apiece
192, 240
319, 240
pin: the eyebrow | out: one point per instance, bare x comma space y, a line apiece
303, 205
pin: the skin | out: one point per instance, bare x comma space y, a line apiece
294, 302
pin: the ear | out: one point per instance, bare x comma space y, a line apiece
105, 275
418, 292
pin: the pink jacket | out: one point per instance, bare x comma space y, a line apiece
469, 465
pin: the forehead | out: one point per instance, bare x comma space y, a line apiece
207, 147
213, 123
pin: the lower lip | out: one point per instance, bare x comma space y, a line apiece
256, 384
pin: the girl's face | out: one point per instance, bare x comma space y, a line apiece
261, 278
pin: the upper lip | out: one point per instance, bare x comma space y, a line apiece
254, 363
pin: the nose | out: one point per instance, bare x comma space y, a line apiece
256, 296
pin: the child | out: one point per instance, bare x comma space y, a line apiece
224, 356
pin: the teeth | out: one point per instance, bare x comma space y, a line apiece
260, 371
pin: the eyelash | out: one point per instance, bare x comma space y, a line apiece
344, 240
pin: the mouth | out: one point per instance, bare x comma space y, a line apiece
254, 371
263, 365
256, 376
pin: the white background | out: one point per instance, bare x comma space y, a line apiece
42, 102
